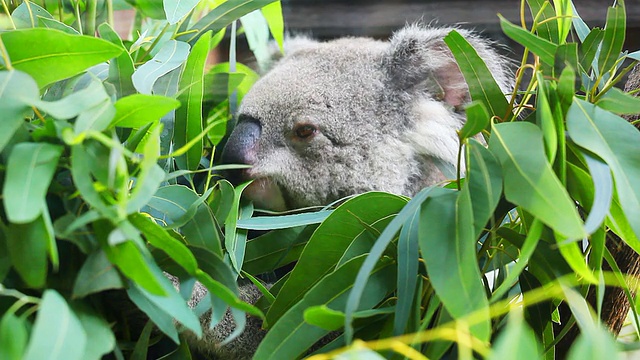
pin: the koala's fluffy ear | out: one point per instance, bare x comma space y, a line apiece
418, 60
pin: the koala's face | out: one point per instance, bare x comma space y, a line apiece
335, 119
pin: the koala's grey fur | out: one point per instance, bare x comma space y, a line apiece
386, 115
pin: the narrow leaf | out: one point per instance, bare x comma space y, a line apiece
170, 56
543, 48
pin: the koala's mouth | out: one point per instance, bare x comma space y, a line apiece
266, 194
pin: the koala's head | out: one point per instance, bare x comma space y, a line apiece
352, 115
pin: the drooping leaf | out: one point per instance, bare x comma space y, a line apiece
97, 329
447, 241
30, 168
478, 119
529, 180
545, 49
482, 85
273, 14
120, 68
616, 142
188, 121
63, 55
516, 340
57, 333
223, 15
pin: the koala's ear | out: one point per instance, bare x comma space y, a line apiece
418, 60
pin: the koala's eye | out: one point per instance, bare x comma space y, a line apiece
305, 131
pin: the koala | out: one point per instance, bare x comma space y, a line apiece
337, 118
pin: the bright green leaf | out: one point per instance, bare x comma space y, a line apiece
13, 337
57, 333
529, 180
613, 40
543, 48
63, 55
138, 110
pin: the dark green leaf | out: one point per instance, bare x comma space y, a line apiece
291, 335
547, 24
478, 119
543, 48
274, 249
613, 40
484, 184
516, 341
95, 275
63, 55
98, 330
589, 47
28, 245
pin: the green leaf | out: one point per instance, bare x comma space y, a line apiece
172, 203
28, 245
96, 274
595, 346
30, 168
619, 102
478, 119
529, 180
96, 118
98, 330
57, 332
543, 48
223, 15
219, 83
234, 239
18, 91
273, 14
120, 68
188, 123
447, 242
203, 230
55, 24
615, 141
613, 40
63, 55
26, 15
547, 26
138, 110
329, 243
171, 55
159, 238
274, 249
283, 221
603, 193
175, 10
589, 47
408, 261
484, 184
85, 100
291, 335
13, 337
482, 85
516, 340
546, 120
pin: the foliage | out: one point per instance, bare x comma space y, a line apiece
105, 186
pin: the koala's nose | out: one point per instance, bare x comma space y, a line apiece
242, 147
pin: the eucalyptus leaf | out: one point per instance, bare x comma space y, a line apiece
171, 55
63, 55
545, 49
18, 91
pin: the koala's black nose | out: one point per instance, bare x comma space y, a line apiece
242, 147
